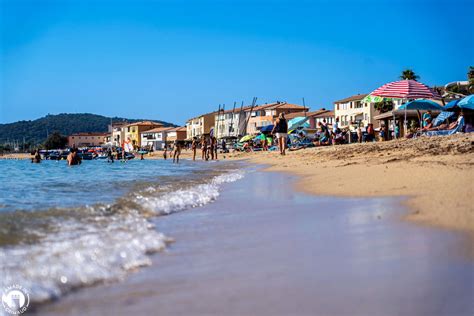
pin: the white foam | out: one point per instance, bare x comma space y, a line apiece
196, 196
97, 246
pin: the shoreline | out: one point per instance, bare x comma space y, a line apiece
273, 256
434, 175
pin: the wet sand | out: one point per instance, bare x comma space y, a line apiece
263, 249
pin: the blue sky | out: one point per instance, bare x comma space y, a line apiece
172, 60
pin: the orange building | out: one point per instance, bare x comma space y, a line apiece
87, 139
266, 114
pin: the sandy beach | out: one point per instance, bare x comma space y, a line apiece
435, 172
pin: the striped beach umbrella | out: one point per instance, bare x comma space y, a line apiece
405, 89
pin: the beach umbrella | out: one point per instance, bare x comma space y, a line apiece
466, 103
246, 138
422, 105
451, 104
300, 121
405, 89
374, 99
267, 128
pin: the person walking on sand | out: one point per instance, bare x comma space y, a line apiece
203, 148
280, 130
194, 147
176, 151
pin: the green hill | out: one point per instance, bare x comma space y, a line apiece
35, 131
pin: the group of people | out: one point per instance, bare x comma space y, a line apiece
72, 158
428, 123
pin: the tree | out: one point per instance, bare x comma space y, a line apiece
470, 77
409, 74
55, 141
383, 106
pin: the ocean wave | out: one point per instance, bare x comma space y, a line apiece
82, 246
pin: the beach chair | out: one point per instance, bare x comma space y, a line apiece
445, 132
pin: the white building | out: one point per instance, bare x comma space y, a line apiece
352, 111
231, 123
155, 138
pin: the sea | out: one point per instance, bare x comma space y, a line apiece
62, 228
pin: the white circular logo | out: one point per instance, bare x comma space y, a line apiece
15, 299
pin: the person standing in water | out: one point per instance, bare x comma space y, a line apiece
73, 159
165, 153
36, 157
213, 148
203, 148
176, 151
194, 147
281, 132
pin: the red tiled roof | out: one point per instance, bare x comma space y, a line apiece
146, 123
157, 130
352, 98
90, 134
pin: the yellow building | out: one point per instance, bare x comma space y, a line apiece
133, 131
200, 125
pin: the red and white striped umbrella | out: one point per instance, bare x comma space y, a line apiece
406, 89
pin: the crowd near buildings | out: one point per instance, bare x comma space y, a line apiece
351, 114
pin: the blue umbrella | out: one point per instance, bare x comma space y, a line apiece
300, 121
421, 105
451, 104
467, 102
266, 129
443, 116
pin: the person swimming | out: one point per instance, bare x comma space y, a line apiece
36, 157
73, 158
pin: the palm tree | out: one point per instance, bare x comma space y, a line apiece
409, 74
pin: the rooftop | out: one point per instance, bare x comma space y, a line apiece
310, 114
90, 134
145, 123
356, 97
157, 130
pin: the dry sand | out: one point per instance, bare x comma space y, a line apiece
436, 172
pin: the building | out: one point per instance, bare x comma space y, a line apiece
117, 130
314, 117
231, 123
266, 114
133, 131
155, 138
176, 133
200, 125
352, 111
86, 139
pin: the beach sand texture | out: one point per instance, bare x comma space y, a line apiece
436, 172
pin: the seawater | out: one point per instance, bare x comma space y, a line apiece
65, 227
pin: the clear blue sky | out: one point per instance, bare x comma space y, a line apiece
171, 60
